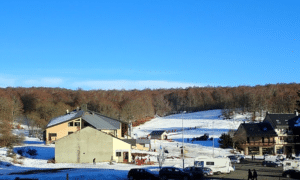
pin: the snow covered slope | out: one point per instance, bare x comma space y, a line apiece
205, 122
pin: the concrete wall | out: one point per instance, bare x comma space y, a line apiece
121, 146
61, 130
83, 146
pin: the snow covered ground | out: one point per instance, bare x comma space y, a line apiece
194, 124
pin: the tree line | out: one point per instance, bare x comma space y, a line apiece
37, 106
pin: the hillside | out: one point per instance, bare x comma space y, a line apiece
36, 106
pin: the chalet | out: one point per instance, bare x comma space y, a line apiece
78, 119
283, 126
255, 138
158, 135
143, 144
87, 144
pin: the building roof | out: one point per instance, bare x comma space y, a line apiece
258, 129
64, 118
277, 120
101, 122
294, 122
130, 141
95, 119
157, 132
143, 141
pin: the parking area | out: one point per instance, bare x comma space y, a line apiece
241, 171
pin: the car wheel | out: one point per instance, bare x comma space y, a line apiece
287, 175
130, 178
218, 173
204, 174
265, 165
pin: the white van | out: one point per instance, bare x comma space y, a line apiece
291, 164
217, 165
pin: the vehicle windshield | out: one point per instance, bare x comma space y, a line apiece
152, 170
199, 163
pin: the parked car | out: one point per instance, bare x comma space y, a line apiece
278, 162
233, 159
197, 172
291, 174
270, 164
207, 171
142, 173
240, 157
174, 173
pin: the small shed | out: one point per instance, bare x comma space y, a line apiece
162, 135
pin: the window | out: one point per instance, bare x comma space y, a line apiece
210, 163
77, 123
70, 123
52, 134
70, 132
118, 154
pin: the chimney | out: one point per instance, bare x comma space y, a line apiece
84, 107
67, 111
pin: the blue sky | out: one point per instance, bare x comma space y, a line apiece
152, 44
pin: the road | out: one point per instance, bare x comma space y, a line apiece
241, 171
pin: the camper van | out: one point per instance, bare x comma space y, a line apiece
217, 164
291, 164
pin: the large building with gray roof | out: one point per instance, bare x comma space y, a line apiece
80, 118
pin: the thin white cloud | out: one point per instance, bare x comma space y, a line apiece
46, 82
5, 82
130, 84
52, 80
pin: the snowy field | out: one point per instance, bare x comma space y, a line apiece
194, 125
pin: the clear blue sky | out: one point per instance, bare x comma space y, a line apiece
137, 44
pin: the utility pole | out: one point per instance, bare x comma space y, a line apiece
213, 140
182, 142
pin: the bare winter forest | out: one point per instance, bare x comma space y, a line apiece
38, 105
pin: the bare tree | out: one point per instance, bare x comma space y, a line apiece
161, 157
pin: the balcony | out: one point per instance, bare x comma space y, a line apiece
260, 144
288, 141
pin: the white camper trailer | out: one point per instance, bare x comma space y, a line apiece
291, 164
217, 165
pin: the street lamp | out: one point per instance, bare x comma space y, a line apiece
182, 140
